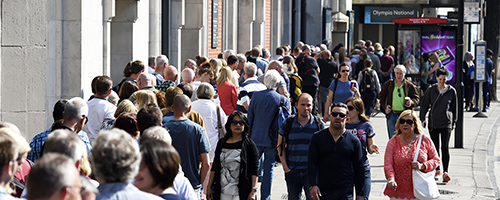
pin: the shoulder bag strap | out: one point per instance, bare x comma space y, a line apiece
219, 124
418, 147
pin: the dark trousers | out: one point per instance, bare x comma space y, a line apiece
445, 140
369, 98
296, 180
486, 94
313, 91
337, 193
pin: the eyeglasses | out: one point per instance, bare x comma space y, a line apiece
399, 92
236, 122
86, 119
407, 121
345, 70
341, 115
350, 107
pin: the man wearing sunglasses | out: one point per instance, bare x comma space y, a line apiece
335, 161
396, 96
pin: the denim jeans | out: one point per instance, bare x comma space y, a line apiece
391, 124
296, 180
267, 155
368, 185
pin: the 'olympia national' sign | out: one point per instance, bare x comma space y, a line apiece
384, 15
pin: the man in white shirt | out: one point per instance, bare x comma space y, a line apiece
100, 110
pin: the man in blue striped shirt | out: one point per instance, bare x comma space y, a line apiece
294, 156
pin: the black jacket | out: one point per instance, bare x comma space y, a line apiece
443, 107
249, 165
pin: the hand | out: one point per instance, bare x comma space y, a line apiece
209, 193
325, 118
374, 149
425, 123
251, 196
286, 169
354, 89
392, 184
388, 109
359, 197
315, 193
418, 166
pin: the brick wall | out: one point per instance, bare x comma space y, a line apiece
267, 34
212, 53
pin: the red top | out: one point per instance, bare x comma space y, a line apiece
21, 173
228, 96
397, 164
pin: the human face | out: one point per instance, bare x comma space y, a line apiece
344, 71
144, 180
337, 122
238, 127
304, 106
353, 112
400, 75
407, 127
441, 80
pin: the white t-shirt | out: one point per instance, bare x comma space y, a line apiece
99, 111
208, 111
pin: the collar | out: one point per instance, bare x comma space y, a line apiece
101, 98
311, 120
251, 78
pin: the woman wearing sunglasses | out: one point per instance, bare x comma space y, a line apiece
360, 126
441, 102
399, 153
341, 89
234, 171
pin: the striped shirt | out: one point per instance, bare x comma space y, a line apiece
250, 86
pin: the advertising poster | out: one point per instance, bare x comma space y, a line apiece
442, 42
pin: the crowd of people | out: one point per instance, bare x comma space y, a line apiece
221, 129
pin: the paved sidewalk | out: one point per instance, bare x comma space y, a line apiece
474, 169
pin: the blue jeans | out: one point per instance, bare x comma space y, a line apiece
368, 185
391, 124
296, 180
266, 166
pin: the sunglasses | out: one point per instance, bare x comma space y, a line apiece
345, 70
236, 122
407, 121
341, 115
350, 107
399, 92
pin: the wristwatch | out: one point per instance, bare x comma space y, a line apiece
255, 188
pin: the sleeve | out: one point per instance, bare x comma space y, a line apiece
370, 132
412, 93
250, 115
283, 127
376, 82
312, 161
454, 107
360, 77
216, 166
253, 156
111, 112
332, 85
234, 96
204, 146
389, 158
432, 161
359, 172
382, 96
424, 104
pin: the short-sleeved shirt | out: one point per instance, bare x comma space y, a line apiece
362, 130
99, 111
386, 62
190, 140
298, 142
343, 91
398, 98
247, 89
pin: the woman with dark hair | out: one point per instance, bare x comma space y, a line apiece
126, 90
341, 89
128, 122
361, 127
130, 73
158, 168
441, 102
236, 163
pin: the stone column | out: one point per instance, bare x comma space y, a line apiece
276, 26
194, 41
246, 13
230, 27
108, 14
287, 22
259, 23
129, 35
154, 27
177, 14
312, 22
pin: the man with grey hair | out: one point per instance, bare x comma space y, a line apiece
265, 109
115, 162
161, 64
181, 184
227, 53
151, 64
64, 142
241, 64
145, 82
284, 81
248, 87
190, 141
191, 64
188, 76
54, 177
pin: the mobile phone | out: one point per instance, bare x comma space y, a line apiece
353, 84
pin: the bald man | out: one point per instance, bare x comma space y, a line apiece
145, 82
188, 76
170, 75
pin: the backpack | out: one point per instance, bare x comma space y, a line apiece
288, 128
295, 87
366, 81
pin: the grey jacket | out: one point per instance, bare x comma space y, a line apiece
443, 107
